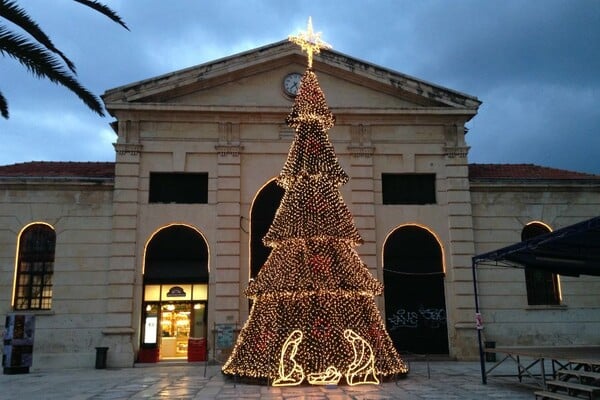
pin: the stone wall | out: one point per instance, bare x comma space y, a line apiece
500, 211
81, 214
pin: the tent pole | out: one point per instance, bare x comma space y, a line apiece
479, 326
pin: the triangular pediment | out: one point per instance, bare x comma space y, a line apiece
254, 79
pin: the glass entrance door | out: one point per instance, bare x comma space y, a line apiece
173, 314
175, 329
180, 321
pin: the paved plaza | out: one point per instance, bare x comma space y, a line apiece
427, 380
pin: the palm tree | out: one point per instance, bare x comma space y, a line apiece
39, 55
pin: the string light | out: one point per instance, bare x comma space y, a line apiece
310, 42
290, 372
331, 376
314, 314
362, 369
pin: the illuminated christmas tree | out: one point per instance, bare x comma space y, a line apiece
314, 317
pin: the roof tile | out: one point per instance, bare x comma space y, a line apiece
59, 169
524, 171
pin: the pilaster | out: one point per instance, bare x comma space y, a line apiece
459, 282
363, 196
227, 271
121, 275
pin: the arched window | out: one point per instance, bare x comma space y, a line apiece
542, 286
35, 267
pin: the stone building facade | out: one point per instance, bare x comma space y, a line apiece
158, 247
506, 201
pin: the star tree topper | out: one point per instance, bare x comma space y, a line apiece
310, 42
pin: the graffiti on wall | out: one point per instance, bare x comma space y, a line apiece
422, 317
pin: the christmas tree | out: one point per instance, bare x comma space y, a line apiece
314, 317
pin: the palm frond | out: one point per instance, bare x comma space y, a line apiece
40, 56
15, 14
103, 9
43, 64
3, 106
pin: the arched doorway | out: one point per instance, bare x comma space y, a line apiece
175, 292
263, 211
415, 305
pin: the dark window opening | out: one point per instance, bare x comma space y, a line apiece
35, 267
408, 188
263, 212
542, 286
178, 187
176, 254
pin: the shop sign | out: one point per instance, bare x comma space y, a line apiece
176, 291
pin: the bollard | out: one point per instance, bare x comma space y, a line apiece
101, 353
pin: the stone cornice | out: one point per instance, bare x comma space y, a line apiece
361, 151
167, 107
229, 149
456, 151
128, 148
276, 115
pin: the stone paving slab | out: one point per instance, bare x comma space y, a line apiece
426, 381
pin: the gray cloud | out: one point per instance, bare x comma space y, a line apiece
533, 63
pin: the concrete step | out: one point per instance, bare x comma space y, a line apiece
553, 396
589, 364
573, 388
580, 374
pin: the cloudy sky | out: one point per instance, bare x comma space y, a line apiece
535, 64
